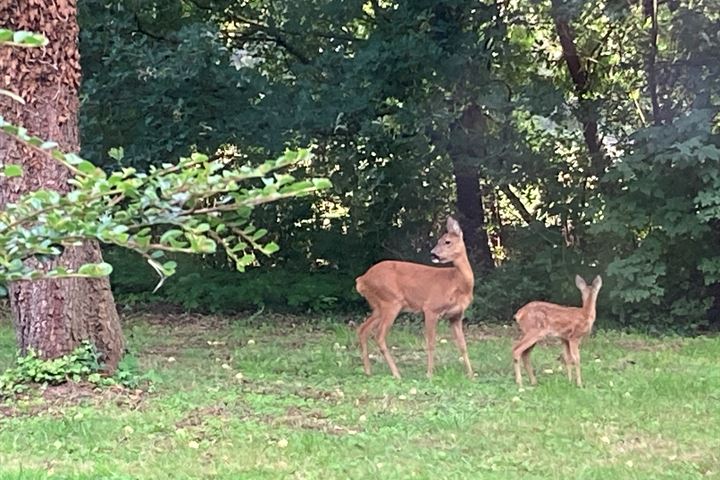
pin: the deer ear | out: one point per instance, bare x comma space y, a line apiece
453, 226
580, 283
597, 283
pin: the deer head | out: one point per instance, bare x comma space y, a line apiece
451, 245
585, 290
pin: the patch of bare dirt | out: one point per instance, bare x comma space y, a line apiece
198, 416
174, 319
312, 420
55, 398
304, 391
294, 417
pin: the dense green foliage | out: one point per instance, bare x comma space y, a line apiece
195, 206
200, 286
269, 400
591, 127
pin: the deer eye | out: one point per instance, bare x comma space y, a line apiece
447, 242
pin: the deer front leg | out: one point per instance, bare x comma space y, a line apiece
431, 320
575, 354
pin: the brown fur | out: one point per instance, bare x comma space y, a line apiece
391, 287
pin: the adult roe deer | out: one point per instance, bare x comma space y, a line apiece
540, 319
394, 286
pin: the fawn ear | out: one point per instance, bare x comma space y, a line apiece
454, 227
597, 283
580, 283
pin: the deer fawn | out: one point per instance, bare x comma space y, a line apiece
393, 286
571, 324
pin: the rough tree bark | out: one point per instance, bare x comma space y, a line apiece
51, 316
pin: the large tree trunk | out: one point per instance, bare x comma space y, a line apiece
51, 316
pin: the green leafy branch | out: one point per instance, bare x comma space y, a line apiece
193, 206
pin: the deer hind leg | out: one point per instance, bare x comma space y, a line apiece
527, 341
431, 320
363, 332
456, 326
528, 365
386, 318
575, 354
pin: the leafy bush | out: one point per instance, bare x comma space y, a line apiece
204, 288
81, 364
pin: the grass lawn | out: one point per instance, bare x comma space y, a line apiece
269, 399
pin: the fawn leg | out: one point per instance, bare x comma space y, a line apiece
528, 367
431, 320
575, 352
457, 329
567, 357
527, 341
385, 322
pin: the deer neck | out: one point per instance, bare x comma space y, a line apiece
589, 306
464, 271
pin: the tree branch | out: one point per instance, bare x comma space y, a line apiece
650, 8
147, 33
517, 204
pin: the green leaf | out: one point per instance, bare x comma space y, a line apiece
86, 167
245, 260
270, 248
12, 170
322, 183
169, 267
170, 235
116, 153
259, 234
23, 37
96, 269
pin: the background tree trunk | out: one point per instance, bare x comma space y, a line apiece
467, 149
52, 316
472, 217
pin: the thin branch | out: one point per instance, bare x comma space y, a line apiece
517, 204
650, 7
147, 33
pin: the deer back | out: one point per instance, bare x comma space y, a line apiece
415, 287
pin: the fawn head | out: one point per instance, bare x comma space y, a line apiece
587, 290
451, 245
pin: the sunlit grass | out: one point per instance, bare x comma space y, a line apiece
272, 400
